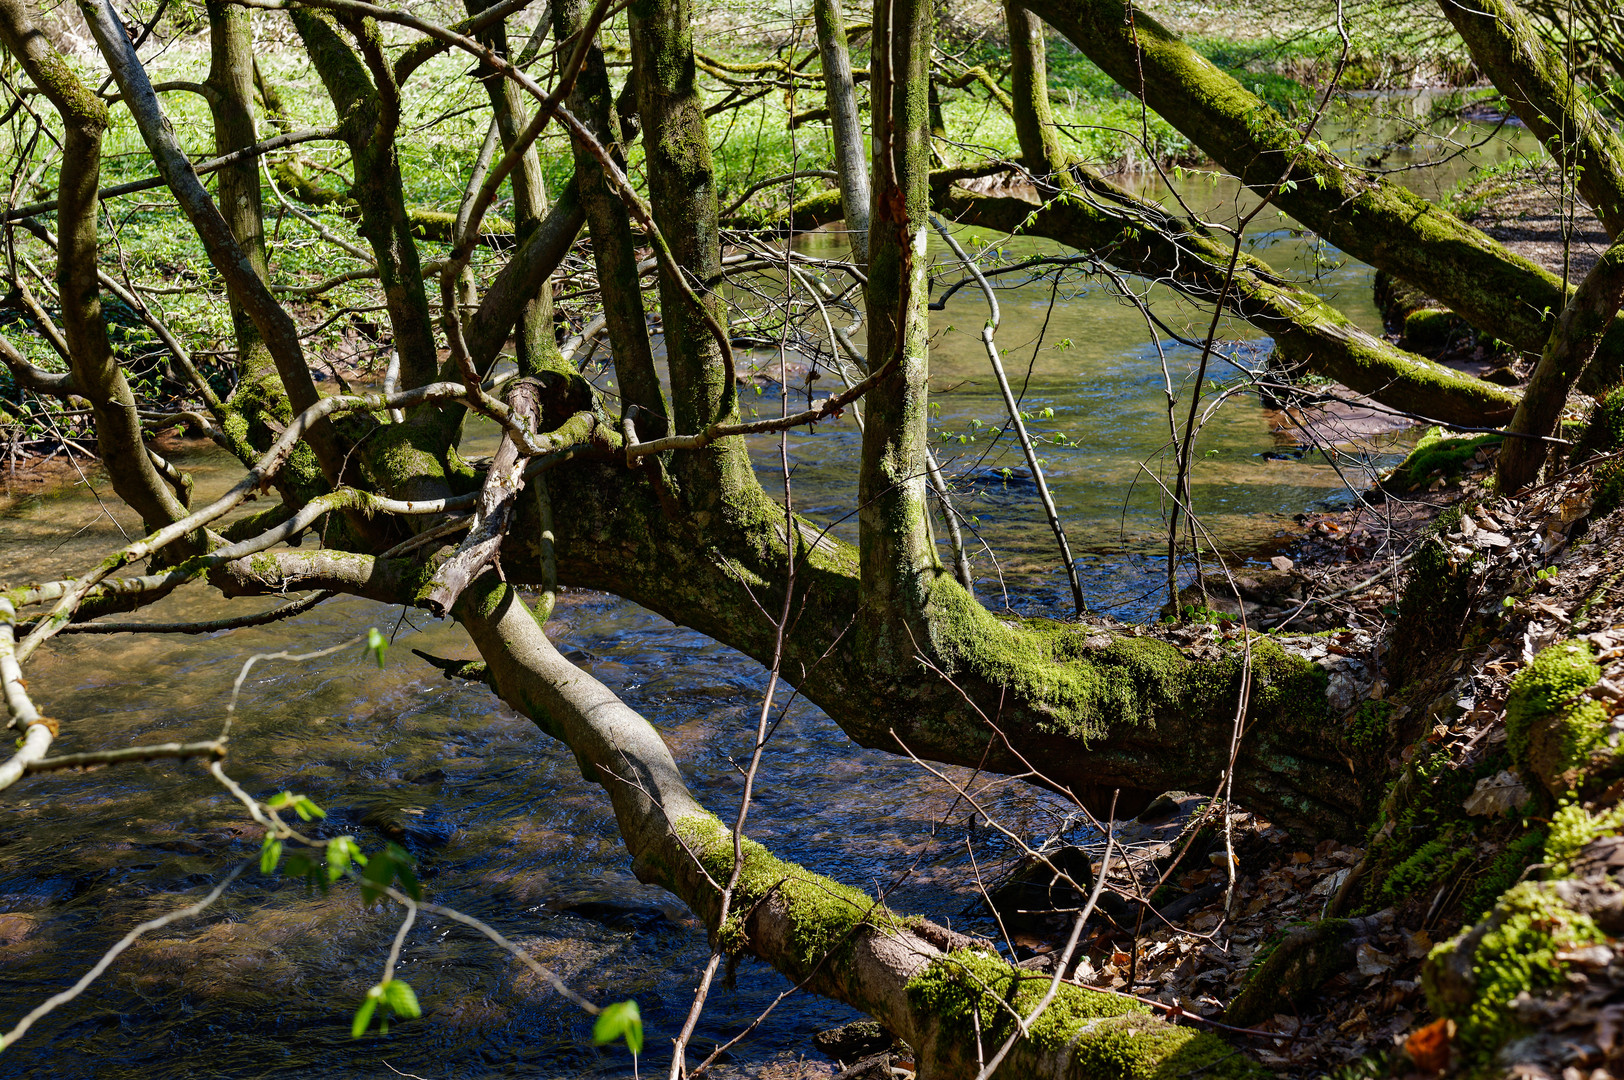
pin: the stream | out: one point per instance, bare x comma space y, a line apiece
503, 826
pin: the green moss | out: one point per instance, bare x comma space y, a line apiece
1572, 827
1550, 731
1431, 862
1109, 1036
1423, 836
823, 913
1370, 727
1513, 952
1089, 688
1436, 453
1503, 873
1432, 327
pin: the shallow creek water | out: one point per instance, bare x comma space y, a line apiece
505, 828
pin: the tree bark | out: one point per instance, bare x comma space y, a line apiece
840, 94
535, 344
614, 247
1139, 237
1572, 347
898, 559
231, 78
1035, 128
96, 372
276, 327
682, 192
369, 108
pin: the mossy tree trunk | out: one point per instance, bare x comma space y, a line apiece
1545, 95
361, 83
96, 371
1371, 218
1572, 348
1035, 128
535, 345
898, 564
231, 82
840, 97
614, 246
1139, 237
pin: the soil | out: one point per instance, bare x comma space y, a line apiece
1529, 210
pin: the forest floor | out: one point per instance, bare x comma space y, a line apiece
1531, 211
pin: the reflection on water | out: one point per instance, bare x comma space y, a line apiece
503, 824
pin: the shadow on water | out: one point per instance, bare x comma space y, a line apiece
503, 825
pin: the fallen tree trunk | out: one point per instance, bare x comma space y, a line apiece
1540, 90
1367, 216
1139, 237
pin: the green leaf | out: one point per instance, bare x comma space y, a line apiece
377, 644
378, 875
402, 998
270, 853
363, 1016
341, 852
620, 1020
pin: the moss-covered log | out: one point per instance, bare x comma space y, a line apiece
1368, 216
1139, 237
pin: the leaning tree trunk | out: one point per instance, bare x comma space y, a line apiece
1139, 237
1035, 128
535, 345
97, 375
1571, 349
367, 99
1369, 217
1543, 93
614, 247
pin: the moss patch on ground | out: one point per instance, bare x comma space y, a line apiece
1550, 727
1474, 977
1437, 454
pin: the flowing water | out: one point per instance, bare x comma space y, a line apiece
504, 828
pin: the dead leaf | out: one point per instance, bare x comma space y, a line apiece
1429, 1047
1372, 962
1498, 794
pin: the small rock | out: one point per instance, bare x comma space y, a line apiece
1281, 563
852, 1042
1497, 794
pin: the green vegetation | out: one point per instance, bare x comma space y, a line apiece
1475, 977
1550, 728
1437, 454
